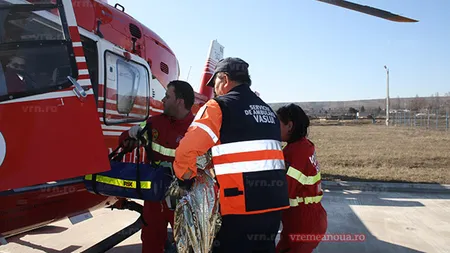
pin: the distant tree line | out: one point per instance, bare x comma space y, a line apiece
435, 102
416, 104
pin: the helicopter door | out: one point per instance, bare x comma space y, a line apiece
49, 125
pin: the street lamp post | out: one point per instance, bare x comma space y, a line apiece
387, 95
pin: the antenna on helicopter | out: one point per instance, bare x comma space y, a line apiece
187, 78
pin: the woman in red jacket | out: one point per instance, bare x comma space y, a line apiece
305, 222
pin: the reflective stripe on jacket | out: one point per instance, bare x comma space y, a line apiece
166, 133
303, 174
243, 134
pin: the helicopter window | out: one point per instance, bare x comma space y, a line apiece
34, 56
19, 25
33, 70
90, 52
127, 90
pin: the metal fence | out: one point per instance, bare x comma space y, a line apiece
432, 119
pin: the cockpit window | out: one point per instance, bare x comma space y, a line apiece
32, 69
19, 24
35, 56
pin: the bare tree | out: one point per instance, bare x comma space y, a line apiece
396, 104
436, 101
418, 103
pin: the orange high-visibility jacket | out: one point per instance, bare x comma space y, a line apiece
244, 136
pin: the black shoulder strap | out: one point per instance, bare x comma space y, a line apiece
148, 147
138, 172
94, 183
138, 158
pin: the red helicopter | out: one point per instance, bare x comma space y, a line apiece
74, 75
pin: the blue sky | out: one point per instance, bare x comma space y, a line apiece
305, 50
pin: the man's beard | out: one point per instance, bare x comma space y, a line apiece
167, 111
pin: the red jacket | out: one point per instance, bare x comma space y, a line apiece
303, 174
166, 132
304, 186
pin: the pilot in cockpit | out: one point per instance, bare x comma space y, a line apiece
15, 76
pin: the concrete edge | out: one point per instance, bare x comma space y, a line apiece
386, 187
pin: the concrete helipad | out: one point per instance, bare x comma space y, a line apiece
388, 222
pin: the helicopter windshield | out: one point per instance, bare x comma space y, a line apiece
34, 52
29, 22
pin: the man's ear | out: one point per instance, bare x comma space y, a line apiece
227, 82
180, 102
226, 78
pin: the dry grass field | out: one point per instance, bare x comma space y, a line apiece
377, 153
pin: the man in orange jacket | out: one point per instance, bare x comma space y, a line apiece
166, 130
244, 136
